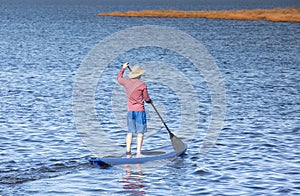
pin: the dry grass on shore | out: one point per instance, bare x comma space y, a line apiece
274, 15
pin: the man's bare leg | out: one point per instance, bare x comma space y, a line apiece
128, 144
139, 142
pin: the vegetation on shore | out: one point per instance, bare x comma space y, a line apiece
274, 15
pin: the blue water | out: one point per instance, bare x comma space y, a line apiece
42, 45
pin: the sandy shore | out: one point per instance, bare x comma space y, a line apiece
274, 15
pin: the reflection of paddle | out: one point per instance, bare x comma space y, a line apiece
178, 145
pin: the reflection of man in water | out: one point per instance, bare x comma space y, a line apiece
134, 182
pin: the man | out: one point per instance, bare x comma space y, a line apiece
137, 93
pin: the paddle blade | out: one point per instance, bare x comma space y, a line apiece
178, 145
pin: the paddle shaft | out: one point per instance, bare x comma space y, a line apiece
162, 120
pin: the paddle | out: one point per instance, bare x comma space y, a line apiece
177, 144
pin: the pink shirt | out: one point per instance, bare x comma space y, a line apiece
136, 92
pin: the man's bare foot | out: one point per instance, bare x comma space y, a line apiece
128, 154
139, 155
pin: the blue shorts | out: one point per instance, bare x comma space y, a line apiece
136, 122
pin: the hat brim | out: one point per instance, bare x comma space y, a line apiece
136, 74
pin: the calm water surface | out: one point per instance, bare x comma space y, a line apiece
42, 45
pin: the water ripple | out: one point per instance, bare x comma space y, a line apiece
42, 46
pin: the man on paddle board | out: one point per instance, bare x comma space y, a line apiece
137, 93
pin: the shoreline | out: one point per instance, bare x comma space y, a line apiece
272, 15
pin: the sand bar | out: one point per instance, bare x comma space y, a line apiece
274, 15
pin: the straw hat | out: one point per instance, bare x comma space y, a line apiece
136, 72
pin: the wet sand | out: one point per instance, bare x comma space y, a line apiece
274, 15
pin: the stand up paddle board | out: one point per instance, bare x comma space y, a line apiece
148, 155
